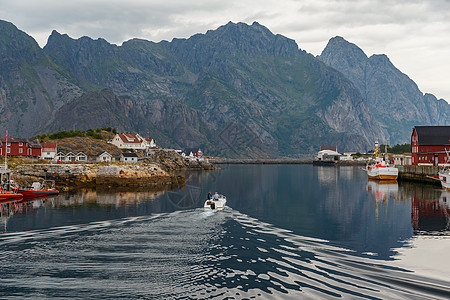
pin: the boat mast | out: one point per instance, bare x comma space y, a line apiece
376, 147
6, 150
385, 148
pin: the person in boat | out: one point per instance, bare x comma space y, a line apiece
216, 196
209, 196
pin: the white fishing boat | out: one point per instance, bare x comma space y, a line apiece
216, 203
379, 168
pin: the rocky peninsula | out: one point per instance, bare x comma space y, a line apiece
162, 170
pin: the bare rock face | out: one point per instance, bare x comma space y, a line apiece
237, 91
390, 96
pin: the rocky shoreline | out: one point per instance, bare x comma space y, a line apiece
72, 176
159, 171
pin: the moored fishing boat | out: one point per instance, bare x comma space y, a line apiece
379, 168
37, 189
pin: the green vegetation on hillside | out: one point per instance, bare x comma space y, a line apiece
397, 149
96, 134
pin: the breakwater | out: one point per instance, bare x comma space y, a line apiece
68, 176
260, 161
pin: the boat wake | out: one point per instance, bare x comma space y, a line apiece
196, 254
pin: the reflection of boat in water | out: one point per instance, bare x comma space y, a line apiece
44, 189
216, 204
383, 188
383, 191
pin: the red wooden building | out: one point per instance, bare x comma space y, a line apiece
429, 145
21, 147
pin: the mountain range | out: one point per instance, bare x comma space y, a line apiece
237, 91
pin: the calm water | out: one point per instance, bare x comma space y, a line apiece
289, 231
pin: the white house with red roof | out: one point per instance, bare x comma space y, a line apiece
132, 141
49, 150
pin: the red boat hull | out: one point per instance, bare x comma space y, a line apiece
40, 193
9, 196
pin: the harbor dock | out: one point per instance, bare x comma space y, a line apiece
418, 173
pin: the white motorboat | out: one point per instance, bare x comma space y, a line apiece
216, 204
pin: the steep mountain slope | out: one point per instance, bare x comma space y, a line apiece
392, 97
31, 86
239, 90
238, 81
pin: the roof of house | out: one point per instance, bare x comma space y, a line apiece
32, 143
48, 146
127, 154
130, 138
148, 139
433, 135
104, 153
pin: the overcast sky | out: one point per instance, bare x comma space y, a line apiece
414, 34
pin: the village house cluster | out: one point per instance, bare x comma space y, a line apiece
430, 146
124, 141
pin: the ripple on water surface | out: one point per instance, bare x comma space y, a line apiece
195, 254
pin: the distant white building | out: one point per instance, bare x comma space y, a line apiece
328, 155
192, 153
71, 157
402, 160
105, 157
129, 158
132, 141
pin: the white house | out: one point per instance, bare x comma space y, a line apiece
68, 157
132, 141
49, 151
129, 157
81, 157
105, 157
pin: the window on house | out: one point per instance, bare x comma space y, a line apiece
9, 144
8, 150
20, 144
20, 150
